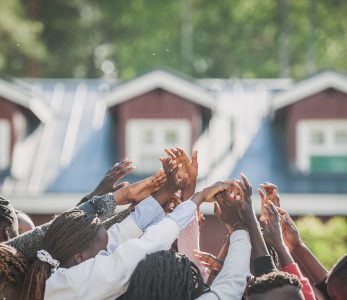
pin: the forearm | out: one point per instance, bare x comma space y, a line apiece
315, 269
188, 191
283, 255
259, 247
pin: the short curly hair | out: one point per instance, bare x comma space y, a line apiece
272, 280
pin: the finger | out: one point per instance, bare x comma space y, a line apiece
175, 152
246, 182
281, 210
183, 182
262, 195
183, 153
263, 223
269, 212
195, 159
119, 186
168, 152
124, 172
217, 211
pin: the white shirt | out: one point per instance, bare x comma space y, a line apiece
231, 282
106, 276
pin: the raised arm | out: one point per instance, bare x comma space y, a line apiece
273, 236
262, 261
299, 250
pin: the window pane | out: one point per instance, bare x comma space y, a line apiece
171, 137
331, 164
317, 137
147, 136
341, 137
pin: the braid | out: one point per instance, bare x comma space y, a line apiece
69, 233
13, 266
273, 280
165, 275
6, 211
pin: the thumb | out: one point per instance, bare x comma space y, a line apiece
195, 159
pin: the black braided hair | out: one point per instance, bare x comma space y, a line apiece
7, 213
271, 281
165, 275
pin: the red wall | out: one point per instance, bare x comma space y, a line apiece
157, 104
329, 104
10, 111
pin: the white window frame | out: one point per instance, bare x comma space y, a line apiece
5, 144
304, 148
135, 148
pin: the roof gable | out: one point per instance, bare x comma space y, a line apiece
310, 86
14, 93
163, 80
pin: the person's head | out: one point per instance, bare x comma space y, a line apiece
8, 221
165, 275
275, 285
24, 222
72, 238
12, 272
337, 280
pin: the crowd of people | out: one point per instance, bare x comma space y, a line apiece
150, 250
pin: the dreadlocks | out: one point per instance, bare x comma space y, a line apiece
12, 268
165, 275
271, 281
69, 233
8, 220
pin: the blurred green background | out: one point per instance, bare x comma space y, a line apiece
121, 39
327, 240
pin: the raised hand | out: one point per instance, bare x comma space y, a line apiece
171, 169
271, 194
189, 166
113, 175
290, 233
272, 231
140, 190
228, 211
245, 205
209, 261
224, 185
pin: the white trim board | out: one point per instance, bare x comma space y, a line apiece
11, 92
302, 204
310, 86
160, 79
295, 204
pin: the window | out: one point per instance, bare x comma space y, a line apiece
5, 144
146, 140
322, 146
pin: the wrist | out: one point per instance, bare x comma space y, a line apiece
296, 247
198, 198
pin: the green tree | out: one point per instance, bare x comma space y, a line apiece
20, 38
327, 240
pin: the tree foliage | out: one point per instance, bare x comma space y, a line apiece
227, 38
327, 240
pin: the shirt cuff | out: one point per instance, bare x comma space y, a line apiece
148, 212
183, 213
